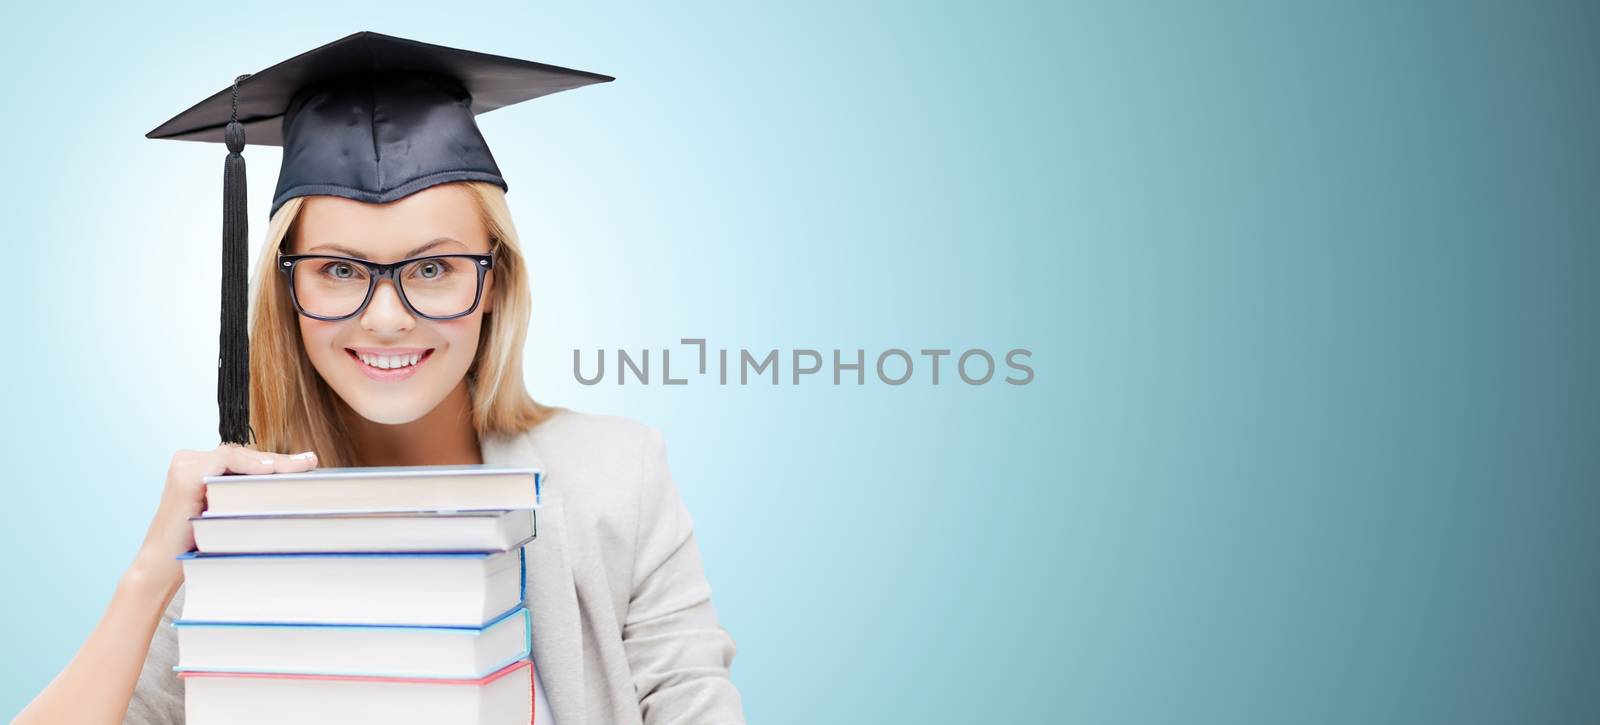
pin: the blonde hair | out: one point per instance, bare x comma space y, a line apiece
293, 409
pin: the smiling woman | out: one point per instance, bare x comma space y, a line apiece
330, 400
390, 314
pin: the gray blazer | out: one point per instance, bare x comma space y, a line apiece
623, 627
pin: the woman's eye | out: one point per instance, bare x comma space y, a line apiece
341, 271
430, 270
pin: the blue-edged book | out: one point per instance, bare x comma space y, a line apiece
360, 650
454, 531
435, 589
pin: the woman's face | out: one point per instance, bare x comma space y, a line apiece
438, 220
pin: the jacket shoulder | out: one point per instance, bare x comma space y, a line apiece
595, 459
594, 434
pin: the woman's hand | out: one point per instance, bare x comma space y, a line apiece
99, 682
170, 532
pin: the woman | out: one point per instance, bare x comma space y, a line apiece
624, 629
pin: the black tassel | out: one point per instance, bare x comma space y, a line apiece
233, 358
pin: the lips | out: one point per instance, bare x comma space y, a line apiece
390, 356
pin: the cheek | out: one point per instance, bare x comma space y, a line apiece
317, 338
461, 335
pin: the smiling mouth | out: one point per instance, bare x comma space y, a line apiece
388, 363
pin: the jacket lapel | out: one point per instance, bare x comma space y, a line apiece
552, 593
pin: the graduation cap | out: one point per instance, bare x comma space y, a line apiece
369, 117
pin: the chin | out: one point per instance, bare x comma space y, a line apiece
388, 415
393, 408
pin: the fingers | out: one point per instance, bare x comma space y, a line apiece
238, 459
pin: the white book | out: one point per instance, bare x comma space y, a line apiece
503, 698
414, 589
364, 532
362, 650
474, 487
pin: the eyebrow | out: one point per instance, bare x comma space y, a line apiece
419, 250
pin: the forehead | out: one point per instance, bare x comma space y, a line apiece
389, 231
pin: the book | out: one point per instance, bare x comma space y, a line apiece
444, 531
222, 698
472, 487
403, 588
356, 649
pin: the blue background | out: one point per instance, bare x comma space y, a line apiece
1310, 290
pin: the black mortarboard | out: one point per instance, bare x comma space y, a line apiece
369, 117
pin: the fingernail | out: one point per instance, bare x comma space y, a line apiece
302, 456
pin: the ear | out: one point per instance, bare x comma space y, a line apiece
488, 293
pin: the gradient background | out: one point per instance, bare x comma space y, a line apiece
1311, 290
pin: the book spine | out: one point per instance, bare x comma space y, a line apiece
479, 681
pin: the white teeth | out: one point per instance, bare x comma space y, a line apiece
390, 362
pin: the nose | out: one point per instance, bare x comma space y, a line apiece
385, 313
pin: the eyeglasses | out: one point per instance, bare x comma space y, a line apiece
437, 287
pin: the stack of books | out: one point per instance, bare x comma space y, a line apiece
375, 594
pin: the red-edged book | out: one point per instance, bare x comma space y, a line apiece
504, 697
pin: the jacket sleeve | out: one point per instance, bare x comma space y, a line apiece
158, 695
678, 652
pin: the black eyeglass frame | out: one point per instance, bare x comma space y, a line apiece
377, 271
